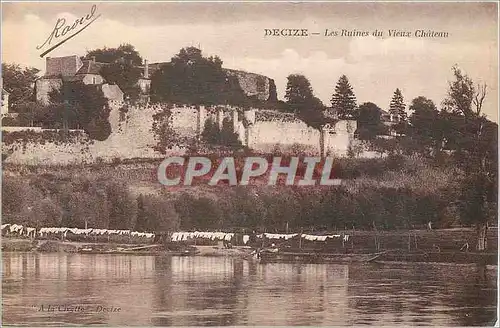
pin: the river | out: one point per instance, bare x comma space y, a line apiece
118, 290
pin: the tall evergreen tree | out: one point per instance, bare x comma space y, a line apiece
397, 106
344, 100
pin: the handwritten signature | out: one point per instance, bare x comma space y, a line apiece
61, 29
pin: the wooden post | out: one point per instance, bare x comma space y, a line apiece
300, 239
352, 239
409, 241
416, 246
376, 236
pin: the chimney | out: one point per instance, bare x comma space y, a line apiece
48, 68
146, 69
93, 59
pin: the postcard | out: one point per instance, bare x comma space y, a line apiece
249, 163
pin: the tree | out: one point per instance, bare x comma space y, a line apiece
77, 104
122, 67
344, 100
243, 207
463, 98
301, 100
155, 213
228, 137
474, 142
198, 212
123, 207
125, 53
212, 135
425, 125
397, 106
19, 83
313, 115
299, 93
191, 78
369, 124
29, 113
125, 75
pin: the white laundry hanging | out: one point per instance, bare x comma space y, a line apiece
246, 238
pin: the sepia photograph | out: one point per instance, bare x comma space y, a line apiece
249, 163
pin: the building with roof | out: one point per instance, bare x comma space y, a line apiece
67, 69
390, 120
88, 71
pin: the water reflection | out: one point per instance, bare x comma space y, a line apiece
165, 291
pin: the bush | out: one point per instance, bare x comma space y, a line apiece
212, 135
10, 121
31, 136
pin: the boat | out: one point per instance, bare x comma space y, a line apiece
141, 250
456, 257
389, 256
302, 256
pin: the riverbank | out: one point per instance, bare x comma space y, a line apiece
54, 246
390, 256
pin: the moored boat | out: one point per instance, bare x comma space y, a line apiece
456, 257
141, 250
275, 256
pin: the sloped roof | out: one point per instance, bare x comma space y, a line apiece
91, 67
112, 91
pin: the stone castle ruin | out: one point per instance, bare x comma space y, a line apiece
263, 130
132, 131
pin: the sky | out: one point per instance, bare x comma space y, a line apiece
375, 66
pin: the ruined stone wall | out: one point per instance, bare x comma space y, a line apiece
265, 130
281, 131
133, 136
253, 84
184, 120
337, 140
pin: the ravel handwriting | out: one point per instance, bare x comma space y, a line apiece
61, 29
